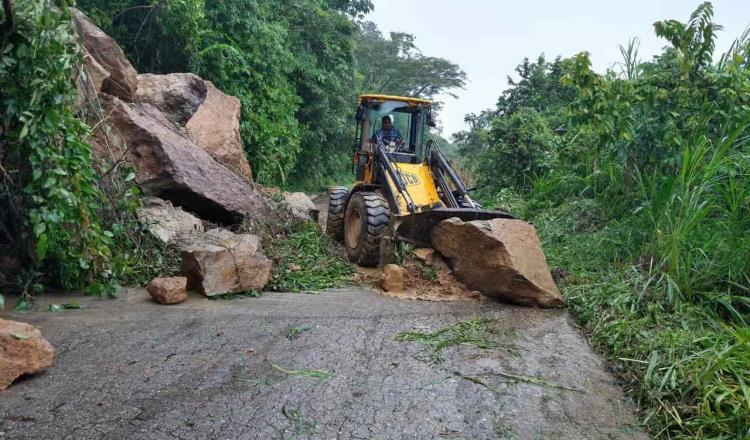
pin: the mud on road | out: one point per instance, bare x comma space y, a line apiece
311, 367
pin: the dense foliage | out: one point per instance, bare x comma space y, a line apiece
296, 66
48, 189
65, 219
639, 183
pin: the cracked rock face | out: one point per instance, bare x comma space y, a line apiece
23, 350
504, 261
219, 261
121, 78
177, 95
215, 126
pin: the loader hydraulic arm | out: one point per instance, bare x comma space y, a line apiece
386, 167
442, 168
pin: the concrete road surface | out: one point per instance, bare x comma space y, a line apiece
302, 366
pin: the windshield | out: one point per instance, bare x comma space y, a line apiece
406, 129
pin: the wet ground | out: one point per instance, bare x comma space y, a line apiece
300, 366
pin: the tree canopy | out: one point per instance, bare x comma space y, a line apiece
296, 66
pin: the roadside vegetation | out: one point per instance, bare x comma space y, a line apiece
65, 220
637, 180
307, 260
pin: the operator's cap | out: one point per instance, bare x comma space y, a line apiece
389, 117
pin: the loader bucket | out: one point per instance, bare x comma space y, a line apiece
416, 228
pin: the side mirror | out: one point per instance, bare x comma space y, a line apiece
430, 120
360, 116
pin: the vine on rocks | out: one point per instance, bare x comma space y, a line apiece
48, 187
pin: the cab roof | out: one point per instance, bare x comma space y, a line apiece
406, 99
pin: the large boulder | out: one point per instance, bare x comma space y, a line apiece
23, 350
167, 222
173, 167
216, 128
219, 261
122, 79
301, 206
505, 260
177, 95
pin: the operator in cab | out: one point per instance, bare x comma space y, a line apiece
388, 132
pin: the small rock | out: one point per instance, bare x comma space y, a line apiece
170, 290
23, 350
424, 255
219, 261
430, 258
393, 278
302, 206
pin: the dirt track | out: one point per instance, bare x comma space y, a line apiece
129, 368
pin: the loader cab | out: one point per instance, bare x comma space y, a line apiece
409, 116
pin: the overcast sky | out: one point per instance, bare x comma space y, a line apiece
488, 38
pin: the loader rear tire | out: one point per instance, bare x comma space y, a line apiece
336, 209
366, 220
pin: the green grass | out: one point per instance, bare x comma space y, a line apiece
307, 260
685, 356
474, 333
294, 332
305, 372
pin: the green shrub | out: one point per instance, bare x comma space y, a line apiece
307, 260
48, 184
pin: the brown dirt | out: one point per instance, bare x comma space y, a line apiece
417, 286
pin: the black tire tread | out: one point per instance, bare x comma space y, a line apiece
377, 218
337, 198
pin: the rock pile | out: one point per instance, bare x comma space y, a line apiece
181, 135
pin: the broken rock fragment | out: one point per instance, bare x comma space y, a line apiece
393, 278
219, 261
23, 350
505, 260
167, 222
301, 205
172, 290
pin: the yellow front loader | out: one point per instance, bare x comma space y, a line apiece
404, 185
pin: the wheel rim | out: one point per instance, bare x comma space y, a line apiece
353, 229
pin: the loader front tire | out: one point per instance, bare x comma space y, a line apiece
336, 209
366, 220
